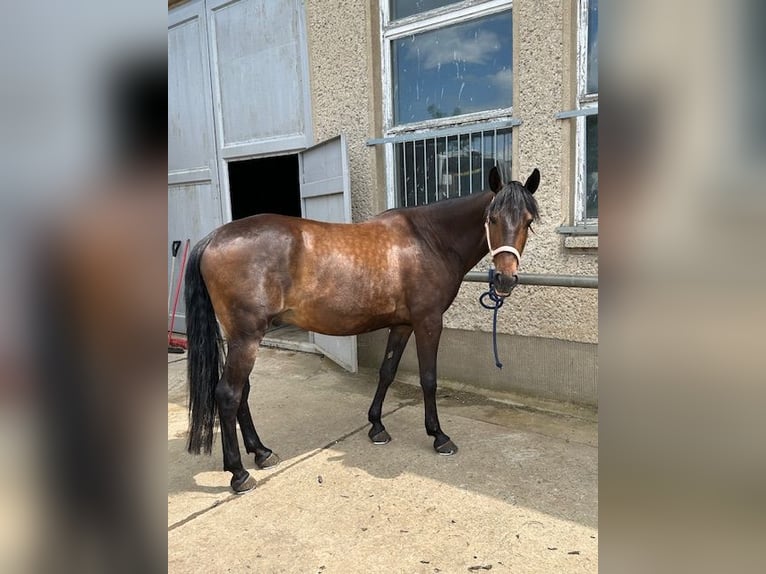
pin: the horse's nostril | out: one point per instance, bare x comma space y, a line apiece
505, 282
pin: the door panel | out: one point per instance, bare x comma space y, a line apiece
260, 79
326, 196
190, 144
194, 202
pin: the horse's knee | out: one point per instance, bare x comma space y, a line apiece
387, 371
227, 398
428, 383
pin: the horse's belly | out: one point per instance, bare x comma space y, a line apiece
347, 284
345, 314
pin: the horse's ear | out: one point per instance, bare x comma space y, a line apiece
532, 181
495, 183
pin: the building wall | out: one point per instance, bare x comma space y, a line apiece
532, 366
341, 71
344, 60
547, 335
544, 84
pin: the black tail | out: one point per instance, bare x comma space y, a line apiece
205, 358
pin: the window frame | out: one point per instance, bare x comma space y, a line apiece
587, 104
392, 30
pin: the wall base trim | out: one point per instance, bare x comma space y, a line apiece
536, 366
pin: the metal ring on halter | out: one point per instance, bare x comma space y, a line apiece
502, 248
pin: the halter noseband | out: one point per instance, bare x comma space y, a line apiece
502, 248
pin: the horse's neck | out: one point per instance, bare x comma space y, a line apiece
458, 229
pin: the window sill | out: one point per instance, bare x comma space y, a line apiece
582, 236
580, 229
581, 242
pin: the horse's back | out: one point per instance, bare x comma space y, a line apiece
253, 226
350, 278
326, 277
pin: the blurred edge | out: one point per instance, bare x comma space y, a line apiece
682, 309
682, 349
83, 212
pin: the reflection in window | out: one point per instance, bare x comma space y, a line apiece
438, 168
454, 70
586, 188
591, 167
404, 8
592, 81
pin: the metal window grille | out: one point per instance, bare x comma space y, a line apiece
453, 165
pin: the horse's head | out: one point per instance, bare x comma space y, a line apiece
508, 221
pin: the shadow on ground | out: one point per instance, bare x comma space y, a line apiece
305, 407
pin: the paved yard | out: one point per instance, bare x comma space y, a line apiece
521, 495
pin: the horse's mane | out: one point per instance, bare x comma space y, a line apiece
515, 198
456, 205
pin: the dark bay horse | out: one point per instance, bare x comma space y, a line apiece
401, 270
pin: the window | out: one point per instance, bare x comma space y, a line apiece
448, 83
443, 166
586, 188
403, 8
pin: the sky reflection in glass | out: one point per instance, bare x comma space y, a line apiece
592, 87
454, 70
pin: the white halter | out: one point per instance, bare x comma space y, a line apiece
502, 248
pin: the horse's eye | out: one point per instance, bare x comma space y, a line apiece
492, 219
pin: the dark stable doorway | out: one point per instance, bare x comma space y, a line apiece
269, 185
265, 185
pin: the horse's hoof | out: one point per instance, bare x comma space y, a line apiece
381, 438
264, 462
243, 485
446, 449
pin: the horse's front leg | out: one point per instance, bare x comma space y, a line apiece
427, 335
397, 342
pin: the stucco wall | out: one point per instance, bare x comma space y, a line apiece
344, 48
543, 64
342, 101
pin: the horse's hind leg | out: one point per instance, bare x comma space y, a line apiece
264, 457
397, 342
228, 395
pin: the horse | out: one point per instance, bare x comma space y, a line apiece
399, 270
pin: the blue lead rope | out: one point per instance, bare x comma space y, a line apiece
497, 302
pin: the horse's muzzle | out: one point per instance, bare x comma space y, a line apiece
504, 284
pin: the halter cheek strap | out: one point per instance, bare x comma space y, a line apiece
502, 248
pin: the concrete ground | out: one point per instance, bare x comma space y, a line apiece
521, 495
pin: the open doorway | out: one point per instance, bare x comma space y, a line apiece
265, 185
269, 185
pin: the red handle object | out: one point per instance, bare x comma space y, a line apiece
178, 288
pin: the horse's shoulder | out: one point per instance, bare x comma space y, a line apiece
392, 218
